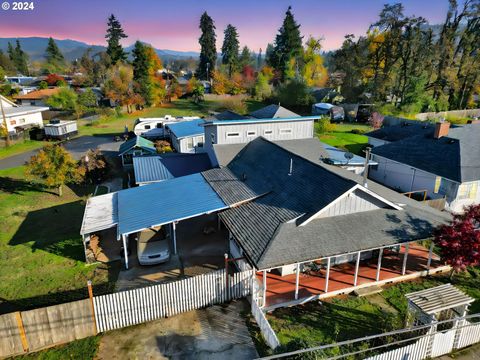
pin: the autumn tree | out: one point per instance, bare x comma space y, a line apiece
314, 73
119, 86
208, 50
230, 49
114, 35
459, 241
94, 165
54, 167
158, 84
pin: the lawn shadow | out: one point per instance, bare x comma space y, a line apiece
60, 297
357, 149
54, 229
18, 186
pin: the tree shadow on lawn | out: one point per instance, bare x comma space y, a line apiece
54, 229
18, 186
60, 297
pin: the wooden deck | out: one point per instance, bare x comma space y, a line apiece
281, 289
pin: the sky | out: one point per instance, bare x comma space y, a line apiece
174, 24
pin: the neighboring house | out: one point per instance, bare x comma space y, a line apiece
389, 134
272, 122
59, 129
187, 136
37, 97
155, 168
445, 163
21, 80
136, 146
20, 118
287, 215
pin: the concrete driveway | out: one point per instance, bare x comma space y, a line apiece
77, 147
217, 332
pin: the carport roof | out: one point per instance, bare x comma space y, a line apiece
101, 213
164, 202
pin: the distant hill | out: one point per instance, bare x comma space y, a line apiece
72, 49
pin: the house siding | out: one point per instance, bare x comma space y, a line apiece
21, 120
181, 145
355, 202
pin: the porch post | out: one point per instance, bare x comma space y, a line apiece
297, 280
264, 288
125, 250
327, 276
379, 264
357, 266
174, 236
430, 254
85, 249
405, 257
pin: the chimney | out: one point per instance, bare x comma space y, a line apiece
441, 129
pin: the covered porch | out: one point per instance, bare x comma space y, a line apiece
324, 277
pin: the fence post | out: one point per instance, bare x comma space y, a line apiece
226, 277
90, 295
21, 329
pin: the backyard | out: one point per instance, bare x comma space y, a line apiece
350, 317
346, 136
41, 253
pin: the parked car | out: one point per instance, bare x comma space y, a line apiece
153, 246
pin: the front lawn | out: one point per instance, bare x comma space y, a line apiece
347, 137
19, 147
41, 251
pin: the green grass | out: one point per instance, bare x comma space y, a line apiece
343, 138
20, 147
41, 251
84, 349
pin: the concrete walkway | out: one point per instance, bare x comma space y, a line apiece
217, 332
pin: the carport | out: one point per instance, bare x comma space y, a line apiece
162, 203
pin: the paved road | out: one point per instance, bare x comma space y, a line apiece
77, 147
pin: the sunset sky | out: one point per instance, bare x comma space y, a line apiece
174, 24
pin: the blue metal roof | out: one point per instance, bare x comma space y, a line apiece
187, 128
164, 202
250, 121
337, 157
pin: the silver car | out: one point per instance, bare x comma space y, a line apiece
153, 246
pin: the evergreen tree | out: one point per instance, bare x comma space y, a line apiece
269, 55
288, 45
55, 59
259, 59
245, 57
114, 34
230, 49
6, 63
11, 53
141, 72
20, 59
208, 52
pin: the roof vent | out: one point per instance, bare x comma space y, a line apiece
290, 172
244, 177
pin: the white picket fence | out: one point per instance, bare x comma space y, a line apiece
415, 351
469, 334
267, 331
126, 308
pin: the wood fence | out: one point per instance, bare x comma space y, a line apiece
37, 329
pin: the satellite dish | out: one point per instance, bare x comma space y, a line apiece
349, 156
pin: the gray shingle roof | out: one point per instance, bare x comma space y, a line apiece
273, 111
265, 228
455, 156
403, 131
229, 115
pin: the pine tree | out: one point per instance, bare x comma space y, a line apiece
20, 59
114, 34
245, 57
269, 55
259, 59
230, 49
288, 44
53, 53
141, 72
208, 52
6, 64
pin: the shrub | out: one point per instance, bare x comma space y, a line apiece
234, 104
358, 131
163, 146
324, 125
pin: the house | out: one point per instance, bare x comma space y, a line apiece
187, 136
20, 80
155, 168
37, 97
287, 216
272, 122
136, 146
444, 163
20, 118
406, 129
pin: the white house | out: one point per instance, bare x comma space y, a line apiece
187, 136
20, 118
445, 164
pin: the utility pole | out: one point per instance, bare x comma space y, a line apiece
7, 137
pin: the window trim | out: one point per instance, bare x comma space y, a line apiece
235, 134
268, 132
285, 131
251, 133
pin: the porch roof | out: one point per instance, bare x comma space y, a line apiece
439, 298
101, 213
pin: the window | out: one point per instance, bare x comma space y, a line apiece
13, 122
268, 132
212, 138
285, 131
21, 121
251, 133
233, 134
147, 127
159, 125
190, 143
32, 102
200, 144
